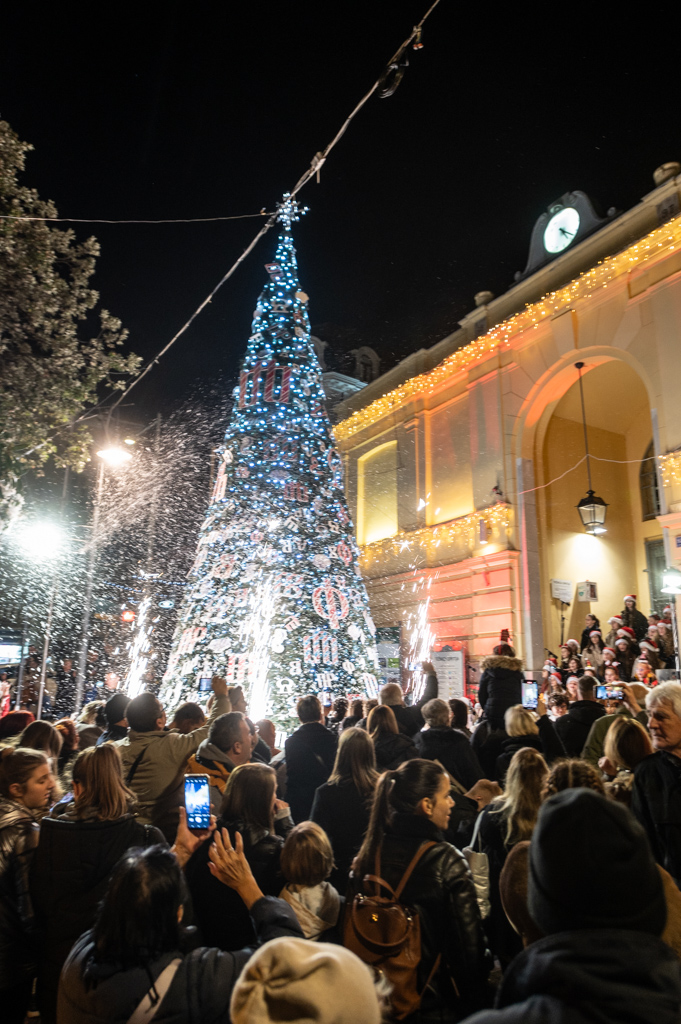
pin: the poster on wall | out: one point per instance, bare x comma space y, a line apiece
587, 591
388, 648
450, 669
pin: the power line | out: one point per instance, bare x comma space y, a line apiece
100, 220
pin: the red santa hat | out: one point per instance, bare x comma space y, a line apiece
630, 597
549, 666
667, 611
627, 632
608, 653
648, 645
594, 632
622, 643
652, 628
572, 679
554, 677
662, 626
616, 620
572, 643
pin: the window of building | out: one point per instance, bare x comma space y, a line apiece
377, 493
650, 494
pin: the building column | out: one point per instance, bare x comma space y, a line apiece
530, 568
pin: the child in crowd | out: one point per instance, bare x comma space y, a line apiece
306, 863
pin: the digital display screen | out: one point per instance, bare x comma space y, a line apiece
197, 801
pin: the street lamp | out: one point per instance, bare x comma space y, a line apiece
113, 456
592, 509
40, 541
671, 584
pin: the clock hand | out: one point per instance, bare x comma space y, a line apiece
568, 234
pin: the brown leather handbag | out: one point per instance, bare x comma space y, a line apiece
386, 934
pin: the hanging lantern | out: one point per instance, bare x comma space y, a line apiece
592, 511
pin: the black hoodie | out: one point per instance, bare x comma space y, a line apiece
603, 976
574, 727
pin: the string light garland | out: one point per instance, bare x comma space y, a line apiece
497, 519
499, 337
670, 465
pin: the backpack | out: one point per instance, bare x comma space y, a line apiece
386, 934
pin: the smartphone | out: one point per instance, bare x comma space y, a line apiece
530, 695
609, 691
197, 801
204, 684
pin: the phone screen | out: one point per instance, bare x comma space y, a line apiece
530, 695
197, 801
204, 684
601, 692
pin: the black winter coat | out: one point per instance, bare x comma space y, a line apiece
220, 913
310, 753
574, 727
453, 750
409, 717
656, 802
547, 742
68, 879
343, 813
506, 942
589, 977
441, 890
392, 749
500, 687
200, 992
487, 744
18, 842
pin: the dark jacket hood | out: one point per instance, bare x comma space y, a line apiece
619, 976
496, 661
586, 711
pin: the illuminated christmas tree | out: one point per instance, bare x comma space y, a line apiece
276, 600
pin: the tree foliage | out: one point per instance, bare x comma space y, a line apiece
55, 360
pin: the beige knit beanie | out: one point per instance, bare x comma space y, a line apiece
307, 982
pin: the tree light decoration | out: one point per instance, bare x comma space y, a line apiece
276, 601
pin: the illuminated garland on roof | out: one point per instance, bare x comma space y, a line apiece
583, 287
497, 518
671, 467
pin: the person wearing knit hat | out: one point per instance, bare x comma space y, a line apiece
626, 657
615, 623
593, 652
595, 892
115, 710
633, 618
666, 643
650, 652
310, 983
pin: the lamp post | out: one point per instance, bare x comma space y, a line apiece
112, 456
592, 509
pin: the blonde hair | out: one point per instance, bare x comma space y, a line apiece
356, 760
626, 743
307, 857
518, 721
522, 797
104, 794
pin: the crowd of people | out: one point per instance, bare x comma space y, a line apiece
392, 861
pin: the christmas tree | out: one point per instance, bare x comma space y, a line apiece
276, 601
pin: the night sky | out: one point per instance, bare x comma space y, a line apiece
152, 110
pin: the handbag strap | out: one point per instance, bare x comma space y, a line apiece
134, 766
476, 831
147, 1009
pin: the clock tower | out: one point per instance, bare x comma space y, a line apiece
564, 223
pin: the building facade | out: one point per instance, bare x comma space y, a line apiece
465, 463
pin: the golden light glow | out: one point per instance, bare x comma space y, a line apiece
499, 337
671, 468
426, 540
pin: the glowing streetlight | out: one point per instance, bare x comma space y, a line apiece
41, 541
114, 456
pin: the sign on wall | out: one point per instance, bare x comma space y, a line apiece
561, 590
587, 591
388, 649
450, 669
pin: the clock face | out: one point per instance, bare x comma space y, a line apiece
561, 229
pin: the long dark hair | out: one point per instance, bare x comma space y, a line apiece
355, 760
398, 792
248, 795
138, 918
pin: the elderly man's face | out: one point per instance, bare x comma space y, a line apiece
665, 728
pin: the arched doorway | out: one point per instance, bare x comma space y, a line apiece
620, 430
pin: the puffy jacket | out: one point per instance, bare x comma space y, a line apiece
573, 728
453, 750
220, 913
200, 992
392, 749
441, 890
589, 977
18, 841
500, 687
656, 802
69, 875
157, 780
